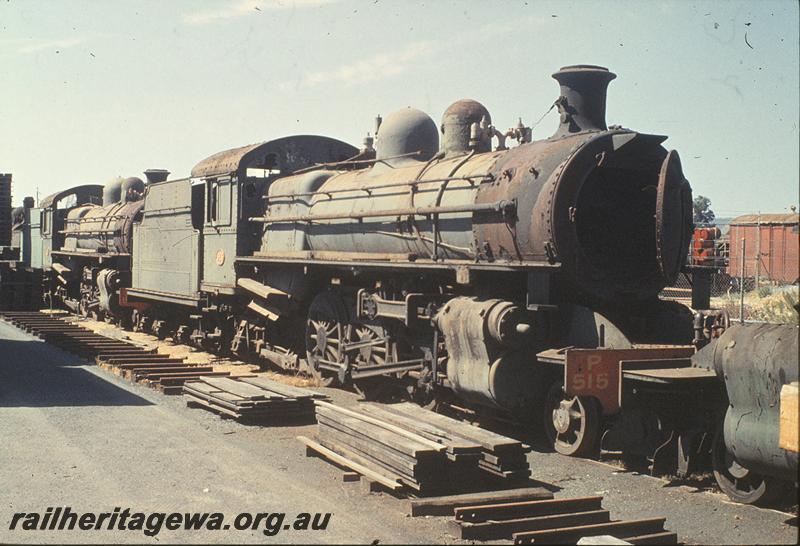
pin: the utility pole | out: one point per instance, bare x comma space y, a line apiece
758, 250
741, 284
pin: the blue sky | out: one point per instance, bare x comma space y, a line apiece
93, 89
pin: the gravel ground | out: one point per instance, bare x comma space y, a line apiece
71, 434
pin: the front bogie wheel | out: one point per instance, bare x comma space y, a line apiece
572, 423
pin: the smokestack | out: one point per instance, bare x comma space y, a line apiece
156, 175
582, 103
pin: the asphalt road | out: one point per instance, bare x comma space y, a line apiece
74, 435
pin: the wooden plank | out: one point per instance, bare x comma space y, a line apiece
492, 530
159, 370
240, 389
409, 445
192, 375
788, 434
453, 442
394, 485
489, 440
445, 506
373, 449
399, 469
281, 388
178, 379
144, 365
388, 426
380, 467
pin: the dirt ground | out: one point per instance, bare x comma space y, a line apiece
72, 434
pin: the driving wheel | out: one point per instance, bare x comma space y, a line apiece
326, 330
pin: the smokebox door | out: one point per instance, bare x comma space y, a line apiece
673, 220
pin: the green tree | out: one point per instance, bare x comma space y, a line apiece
702, 210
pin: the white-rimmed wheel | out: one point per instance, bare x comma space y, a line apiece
572, 423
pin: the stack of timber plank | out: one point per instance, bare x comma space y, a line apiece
161, 372
397, 456
557, 521
251, 398
500, 456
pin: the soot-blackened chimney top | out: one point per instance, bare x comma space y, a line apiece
582, 103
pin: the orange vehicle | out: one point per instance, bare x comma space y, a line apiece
704, 246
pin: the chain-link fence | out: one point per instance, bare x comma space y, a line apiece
753, 271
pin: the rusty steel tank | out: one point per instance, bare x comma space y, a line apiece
610, 205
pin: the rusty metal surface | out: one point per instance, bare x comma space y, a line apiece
412, 185
286, 154
582, 103
598, 372
456, 123
755, 361
669, 375
673, 217
488, 343
106, 229
557, 521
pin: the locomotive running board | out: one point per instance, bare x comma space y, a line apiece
393, 261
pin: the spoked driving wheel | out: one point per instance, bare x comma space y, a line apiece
326, 330
739, 483
371, 353
572, 424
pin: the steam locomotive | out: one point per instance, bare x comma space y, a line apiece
523, 280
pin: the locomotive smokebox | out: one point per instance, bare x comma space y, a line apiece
582, 103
